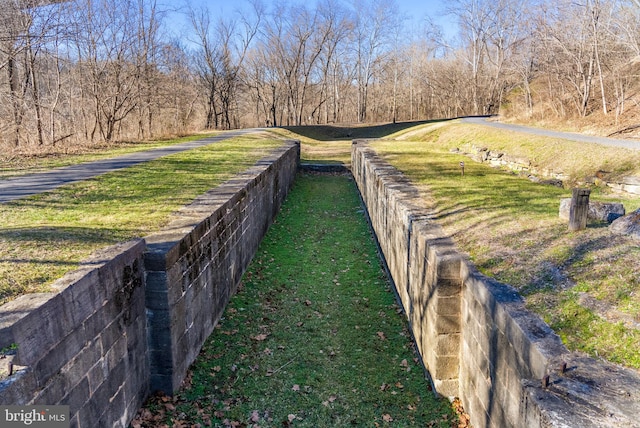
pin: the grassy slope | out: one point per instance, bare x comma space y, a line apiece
12, 165
45, 236
584, 284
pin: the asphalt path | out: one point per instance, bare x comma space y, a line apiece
614, 142
32, 184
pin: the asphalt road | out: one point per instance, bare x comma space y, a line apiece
32, 184
628, 144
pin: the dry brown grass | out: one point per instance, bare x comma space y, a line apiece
584, 284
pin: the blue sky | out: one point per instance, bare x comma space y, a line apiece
415, 10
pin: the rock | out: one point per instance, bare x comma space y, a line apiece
627, 225
631, 185
553, 182
606, 211
598, 211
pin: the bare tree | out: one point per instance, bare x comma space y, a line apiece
222, 50
373, 18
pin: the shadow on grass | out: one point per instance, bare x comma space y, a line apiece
351, 132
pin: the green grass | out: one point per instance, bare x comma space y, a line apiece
314, 337
511, 229
45, 236
12, 165
575, 159
332, 144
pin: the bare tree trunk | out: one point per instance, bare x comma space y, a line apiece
13, 95
31, 64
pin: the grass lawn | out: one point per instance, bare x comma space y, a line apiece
12, 164
585, 284
45, 236
313, 338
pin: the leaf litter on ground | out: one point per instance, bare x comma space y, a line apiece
296, 348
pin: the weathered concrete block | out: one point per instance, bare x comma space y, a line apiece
445, 324
11, 313
445, 367
447, 387
448, 344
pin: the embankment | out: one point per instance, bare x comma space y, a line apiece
132, 319
475, 336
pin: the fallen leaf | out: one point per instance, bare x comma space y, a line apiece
307, 302
260, 337
255, 416
404, 363
291, 417
387, 417
296, 387
332, 398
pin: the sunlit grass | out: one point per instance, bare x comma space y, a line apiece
314, 337
12, 165
46, 235
511, 230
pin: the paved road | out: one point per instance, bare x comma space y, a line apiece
31, 184
629, 144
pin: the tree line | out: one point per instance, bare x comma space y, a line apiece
79, 72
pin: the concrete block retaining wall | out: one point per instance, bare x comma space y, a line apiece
194, 266
629, 184
475, 336
84, 346
134, 317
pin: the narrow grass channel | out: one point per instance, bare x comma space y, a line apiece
314, 337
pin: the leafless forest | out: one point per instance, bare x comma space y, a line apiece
82, 72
